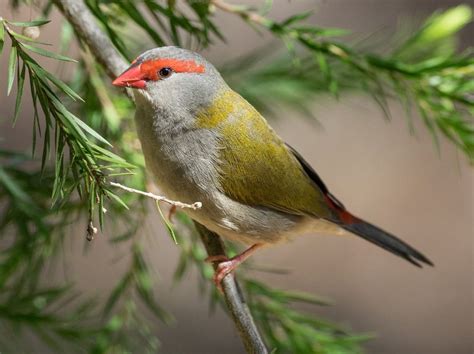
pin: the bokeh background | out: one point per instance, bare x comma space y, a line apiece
377, 168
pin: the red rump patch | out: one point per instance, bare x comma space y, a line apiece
151, 68
344, 215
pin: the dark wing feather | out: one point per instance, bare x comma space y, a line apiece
314, 176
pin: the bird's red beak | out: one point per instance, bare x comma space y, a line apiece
132, 77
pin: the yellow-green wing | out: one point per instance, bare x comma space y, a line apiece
256, 167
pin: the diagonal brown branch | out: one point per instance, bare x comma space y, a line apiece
86, 28
81, 18
234, 298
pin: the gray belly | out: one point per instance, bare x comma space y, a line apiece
184, 168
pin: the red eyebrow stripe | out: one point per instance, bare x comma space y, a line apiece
151, 67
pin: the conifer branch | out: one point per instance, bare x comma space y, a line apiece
418, 73
86, 28
424, 73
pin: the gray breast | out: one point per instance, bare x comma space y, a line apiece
183, 160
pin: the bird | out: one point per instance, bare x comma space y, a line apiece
204, 142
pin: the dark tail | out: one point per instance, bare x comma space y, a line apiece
385, 240
374, 234
360, 227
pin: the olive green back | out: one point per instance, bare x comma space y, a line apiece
256, 167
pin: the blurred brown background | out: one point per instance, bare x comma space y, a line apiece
375, 167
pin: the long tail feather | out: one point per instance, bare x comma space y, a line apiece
375, 234
360, 227
385, 240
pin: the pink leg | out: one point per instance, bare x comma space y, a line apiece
218, 258
227, 265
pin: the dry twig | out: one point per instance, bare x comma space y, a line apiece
158, 198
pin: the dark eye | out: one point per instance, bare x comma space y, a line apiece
165, 72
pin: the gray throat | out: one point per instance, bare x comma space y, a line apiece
181, 156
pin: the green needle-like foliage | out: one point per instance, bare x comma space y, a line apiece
86, 161
84, 146
424, 73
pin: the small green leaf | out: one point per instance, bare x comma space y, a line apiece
111, 157
446, 23
47, 53
11, 69
296, 18
30, 23
323, 32
25, 38
8, 182
19, 94
101, 210
115, 323
304, 297
167, 223
117, 198
118, 291
140, 20
43, 75
91, 131
181, 268
63, 87
2, 36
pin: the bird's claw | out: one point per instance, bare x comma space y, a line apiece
224, 267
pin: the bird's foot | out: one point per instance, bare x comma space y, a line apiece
224, 267
228, 265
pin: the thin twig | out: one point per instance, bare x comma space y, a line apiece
103, 50
159, 198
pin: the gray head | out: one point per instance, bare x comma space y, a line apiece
172, 77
